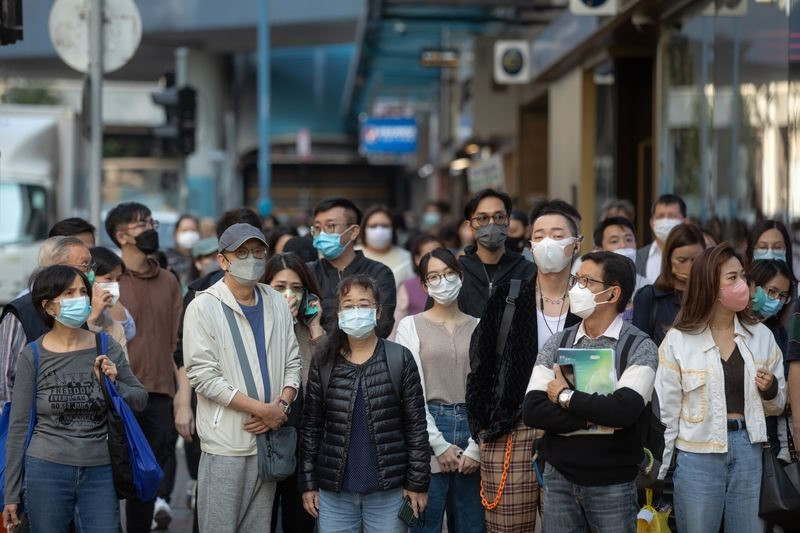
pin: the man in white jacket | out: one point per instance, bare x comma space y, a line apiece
231, 496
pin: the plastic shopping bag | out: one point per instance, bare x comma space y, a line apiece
650, 519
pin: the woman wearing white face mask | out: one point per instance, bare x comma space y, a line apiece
112, 318
379, 243
179, 258
363, 440
439, 340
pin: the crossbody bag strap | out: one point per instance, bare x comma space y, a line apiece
238, 344
508, 316
32, 420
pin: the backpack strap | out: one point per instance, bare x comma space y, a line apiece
568, 337
628, 342
394, 359
508, 316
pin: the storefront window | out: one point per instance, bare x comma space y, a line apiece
725, 115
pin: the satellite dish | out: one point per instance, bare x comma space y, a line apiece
69, 31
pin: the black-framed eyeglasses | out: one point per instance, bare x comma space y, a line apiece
145, 224
584, 281
433, 280
781, 296
483, 220
244, 253
330, 227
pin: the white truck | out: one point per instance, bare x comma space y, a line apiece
40, 157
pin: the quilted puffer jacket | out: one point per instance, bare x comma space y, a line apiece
399, 430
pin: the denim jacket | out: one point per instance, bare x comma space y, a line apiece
691, 388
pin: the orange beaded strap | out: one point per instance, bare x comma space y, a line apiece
506, 462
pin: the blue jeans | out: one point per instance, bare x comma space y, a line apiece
464, 491
348, 512
713, 486
571, 508
57, 494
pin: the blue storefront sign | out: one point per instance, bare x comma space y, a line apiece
389, 136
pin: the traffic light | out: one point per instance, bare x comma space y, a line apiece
10, 21
180, 110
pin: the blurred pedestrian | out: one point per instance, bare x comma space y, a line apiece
720, 372
231, 495
439, 341
278, 237
337, 226
618, 235
769, 239
617, 207
363, 440
204, 254
519, 232
74, 227
379, 243
303, 247
669, 210
179, 257
67, 469
411, 296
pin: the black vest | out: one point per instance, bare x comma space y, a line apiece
23, 309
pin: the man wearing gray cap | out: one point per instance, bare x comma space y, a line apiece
238, 310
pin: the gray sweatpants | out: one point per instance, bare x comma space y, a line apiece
231, 498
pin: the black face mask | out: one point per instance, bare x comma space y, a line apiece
147, 241
516, 244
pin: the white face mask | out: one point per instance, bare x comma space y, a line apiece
663, 226
247, 272
187, 239
113, 288
446, 292
630, 253
550, 255
379, 237
582, 302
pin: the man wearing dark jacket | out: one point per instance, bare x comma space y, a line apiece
488, 264
336, 229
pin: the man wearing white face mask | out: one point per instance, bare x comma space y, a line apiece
668, 211
586, 471
239, 313
618, 235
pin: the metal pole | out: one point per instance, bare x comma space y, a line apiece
264, 170
181, 80
96, 93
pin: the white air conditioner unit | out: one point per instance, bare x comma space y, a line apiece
594, 7
512, 62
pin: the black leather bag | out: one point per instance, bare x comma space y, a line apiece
121, 470
780, 487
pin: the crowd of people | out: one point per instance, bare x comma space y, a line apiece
356, 375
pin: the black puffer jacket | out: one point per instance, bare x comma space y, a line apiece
496, 385
399, 431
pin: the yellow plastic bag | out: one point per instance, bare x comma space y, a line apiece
651, 520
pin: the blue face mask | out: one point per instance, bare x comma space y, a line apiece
431, 218
358, 323
91, 277
329, 244
780, 255
74, 311
764, 305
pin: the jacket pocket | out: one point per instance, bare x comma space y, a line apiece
218, 416
693, 402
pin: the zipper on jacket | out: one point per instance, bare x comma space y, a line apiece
490, 280
218, 416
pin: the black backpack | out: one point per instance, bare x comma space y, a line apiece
394, 360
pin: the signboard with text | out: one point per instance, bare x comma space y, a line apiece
389, 136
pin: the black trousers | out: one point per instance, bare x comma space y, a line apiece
158, 425
294, 517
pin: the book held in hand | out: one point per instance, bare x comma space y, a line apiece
589, 370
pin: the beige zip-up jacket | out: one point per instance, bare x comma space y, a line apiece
213, 365
691, 389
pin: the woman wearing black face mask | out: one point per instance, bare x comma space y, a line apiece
519, 231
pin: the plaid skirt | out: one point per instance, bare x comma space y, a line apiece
516, 512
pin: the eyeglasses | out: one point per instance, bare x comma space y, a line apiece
352, 307
330, 227
435, 279
86, 267
244, 253
483, 220
145, 224
781, 296
584, 281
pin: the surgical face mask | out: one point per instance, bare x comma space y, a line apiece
446, 292
329, 245
431, 218
549, 254
492, 236
764, 305
379, 237
582, 302
247, 272
74, 311
113, 288
630, 253
90, 277
147, 241
359, 322
735, 297
779, 255
187, 239
663, 226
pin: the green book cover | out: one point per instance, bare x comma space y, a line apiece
591, 371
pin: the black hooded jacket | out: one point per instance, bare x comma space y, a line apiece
496, 385
478, 285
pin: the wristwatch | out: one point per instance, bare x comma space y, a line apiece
564, 397
287, 408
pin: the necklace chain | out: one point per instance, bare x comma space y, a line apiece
542, 299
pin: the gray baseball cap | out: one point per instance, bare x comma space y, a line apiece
205, 247
237, 235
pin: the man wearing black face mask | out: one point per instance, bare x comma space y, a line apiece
153, 297
489, 263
